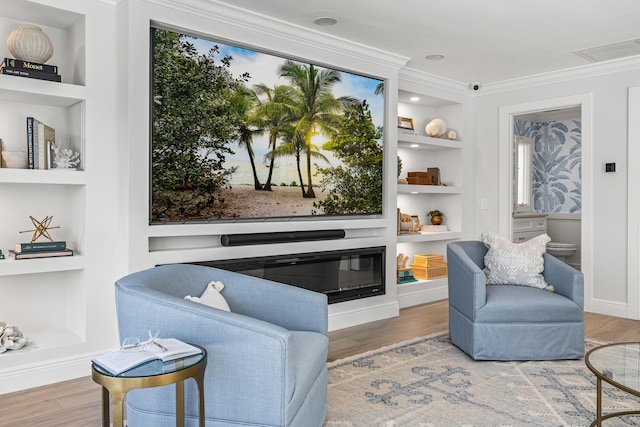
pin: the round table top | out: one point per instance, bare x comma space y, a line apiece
617, 364
156, 367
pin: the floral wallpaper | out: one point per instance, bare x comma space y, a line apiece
557, 164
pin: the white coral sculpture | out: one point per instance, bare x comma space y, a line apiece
11, 338
65, 158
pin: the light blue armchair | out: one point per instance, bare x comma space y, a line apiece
266, 358
509, 322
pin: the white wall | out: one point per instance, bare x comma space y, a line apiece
605, 194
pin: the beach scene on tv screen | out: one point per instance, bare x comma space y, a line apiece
239, 134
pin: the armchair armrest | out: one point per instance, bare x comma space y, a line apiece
566, 280
467, 287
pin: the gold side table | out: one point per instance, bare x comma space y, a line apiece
154, 374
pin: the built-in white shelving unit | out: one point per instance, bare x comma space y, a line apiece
419, 152
41, 295
63, 305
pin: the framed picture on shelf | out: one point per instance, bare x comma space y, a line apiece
405, 125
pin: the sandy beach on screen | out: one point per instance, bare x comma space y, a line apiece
245, 202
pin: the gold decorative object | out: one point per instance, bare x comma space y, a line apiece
41, 228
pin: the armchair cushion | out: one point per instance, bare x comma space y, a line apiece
527, 304
508, 263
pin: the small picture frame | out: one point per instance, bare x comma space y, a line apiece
405, 124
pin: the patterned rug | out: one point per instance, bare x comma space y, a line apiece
428, 382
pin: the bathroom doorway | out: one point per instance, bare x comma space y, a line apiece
547, 177
581, 219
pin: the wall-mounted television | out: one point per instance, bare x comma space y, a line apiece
242, 135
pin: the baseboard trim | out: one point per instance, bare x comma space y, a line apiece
610, 308
422, 296
45, 374
364, 315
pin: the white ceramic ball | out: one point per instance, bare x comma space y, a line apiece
452, 135
436, 128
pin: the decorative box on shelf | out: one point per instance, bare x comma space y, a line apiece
429, 266
420, 178
429, 272
428, 259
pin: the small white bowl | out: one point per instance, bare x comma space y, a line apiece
15, 159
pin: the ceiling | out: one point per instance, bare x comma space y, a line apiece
482, 41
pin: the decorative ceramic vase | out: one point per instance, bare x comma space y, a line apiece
436, 220
30, 43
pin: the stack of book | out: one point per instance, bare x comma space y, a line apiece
40, 250
33, 70
405, 275
40, 144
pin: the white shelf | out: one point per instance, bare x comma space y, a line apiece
12, 267
428, 189
429, 237
34, 91
52, 342
38, 176
406, 140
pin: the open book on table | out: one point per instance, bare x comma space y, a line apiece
118, 361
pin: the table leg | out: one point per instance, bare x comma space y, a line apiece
105, 407
201, 416
118, 409
180, 404
599, 403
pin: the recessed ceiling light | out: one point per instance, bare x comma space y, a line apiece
325, 21
434, 57
415, 145
414, 99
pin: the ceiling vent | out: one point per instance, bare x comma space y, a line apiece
610, 51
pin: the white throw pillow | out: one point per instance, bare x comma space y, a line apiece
508, 263
211, 297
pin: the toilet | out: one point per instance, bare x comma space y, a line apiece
562, 251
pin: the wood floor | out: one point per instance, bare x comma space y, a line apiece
76, 403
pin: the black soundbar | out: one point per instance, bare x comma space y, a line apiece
279, 237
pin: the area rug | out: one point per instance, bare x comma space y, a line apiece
428, 382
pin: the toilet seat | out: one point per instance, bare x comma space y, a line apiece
560, 245
561, 250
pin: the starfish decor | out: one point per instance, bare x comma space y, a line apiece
41, 228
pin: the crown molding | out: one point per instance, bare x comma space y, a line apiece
580, 72
111, 2
411, 75
310, 39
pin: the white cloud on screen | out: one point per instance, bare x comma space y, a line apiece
265, 69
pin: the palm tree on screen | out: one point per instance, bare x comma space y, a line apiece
242, 101
274, 110
319, 111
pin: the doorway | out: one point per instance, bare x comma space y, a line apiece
539, 111
547, 178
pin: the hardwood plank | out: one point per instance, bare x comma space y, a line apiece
77, 403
